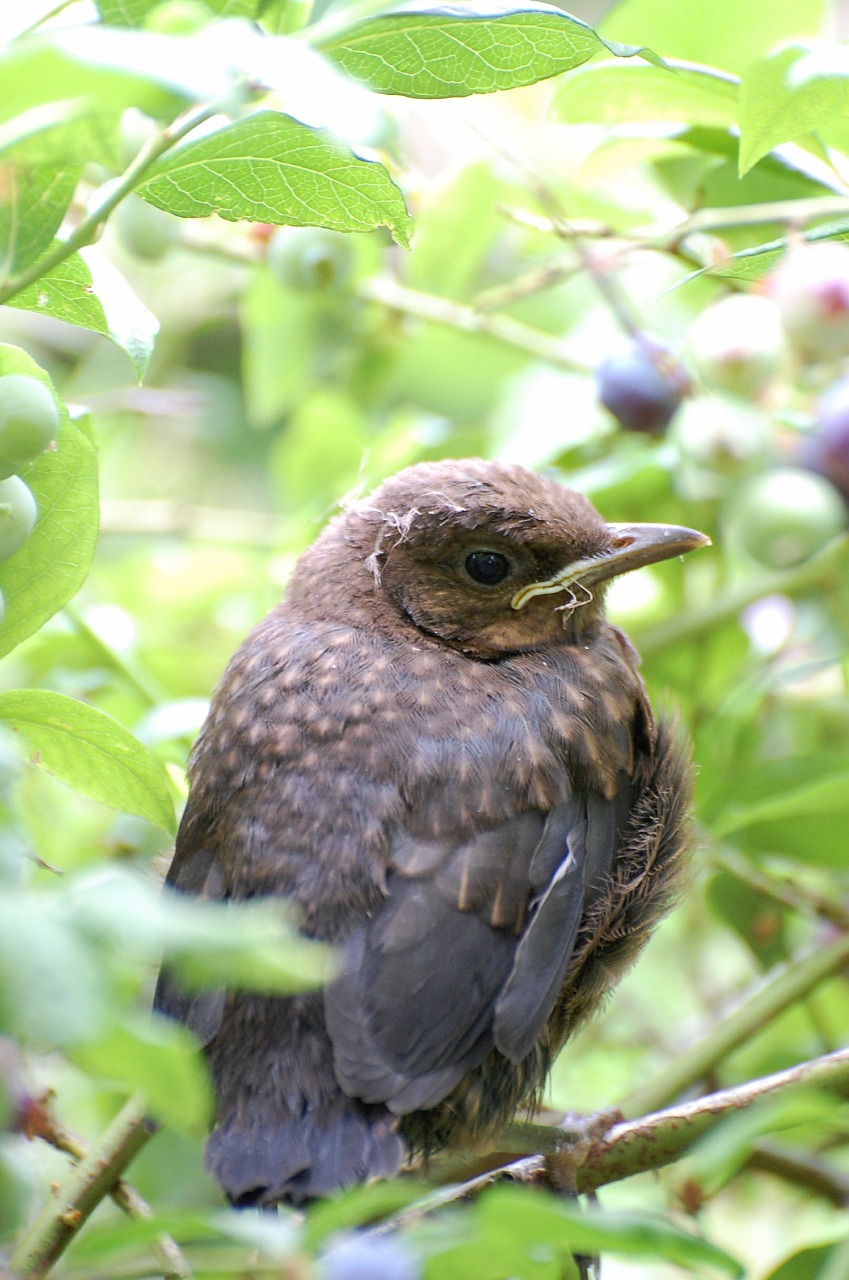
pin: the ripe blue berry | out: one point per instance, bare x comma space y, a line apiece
642, 386
367, 1258
826, 450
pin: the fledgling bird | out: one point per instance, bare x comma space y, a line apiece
438, 748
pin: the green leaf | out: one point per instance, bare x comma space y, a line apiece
300, 462
158, 1058
538, 1219
271, 168
54, 562
103, 1248
354, 1206
815, 1262
721, 33
757, 262
627, 93
519, 1231
434, 51
789, 94
91, 752
33, 201
100, 69
61, 134
279, 341
52, 991
86, 291
133, 13
759, 922
209, 943
252, 945
125, 13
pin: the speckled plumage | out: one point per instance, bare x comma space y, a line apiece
472, 799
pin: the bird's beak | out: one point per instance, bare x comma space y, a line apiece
631, 547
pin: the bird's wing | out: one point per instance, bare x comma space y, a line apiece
197, 871
586, 828
468, 952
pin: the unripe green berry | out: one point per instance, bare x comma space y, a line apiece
311, 259
29, 421
737, 344
782, 517
146, 231
18, 514
719, 439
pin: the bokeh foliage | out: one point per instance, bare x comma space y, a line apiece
494, 167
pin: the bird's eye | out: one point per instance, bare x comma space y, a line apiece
487, 567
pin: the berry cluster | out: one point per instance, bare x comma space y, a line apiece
766, 426
29, 421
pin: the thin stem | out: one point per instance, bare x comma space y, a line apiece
794, 212
150, 694
74, 1202
124, 1196
808, 1172
781, 887
783, 987
86, 231
457, 315
605, 279
827, 565
44, 17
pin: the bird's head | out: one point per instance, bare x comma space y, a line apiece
493, 559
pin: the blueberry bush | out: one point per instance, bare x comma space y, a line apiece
256, 255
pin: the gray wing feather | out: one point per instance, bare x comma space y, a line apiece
585, 826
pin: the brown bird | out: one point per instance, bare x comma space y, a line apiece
440, 750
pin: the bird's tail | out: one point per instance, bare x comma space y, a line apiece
308, 1156
285, 1131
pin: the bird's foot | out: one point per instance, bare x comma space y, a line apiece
579, 1135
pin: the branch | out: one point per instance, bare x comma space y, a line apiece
93, 1179
591, 1157
807, 1172
634, 1146
111, 195
458, 315
782, 987
794, 212
128, 1200
827, 566
782, 887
